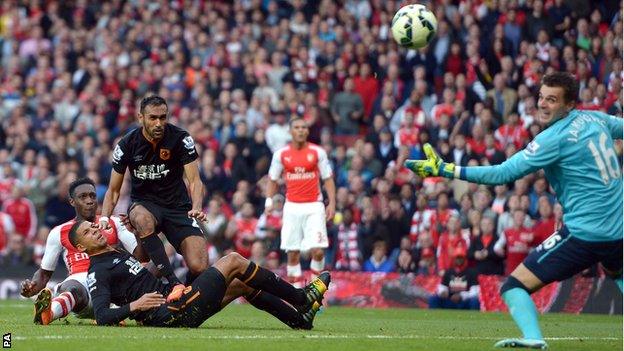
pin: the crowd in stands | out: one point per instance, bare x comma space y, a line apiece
233, 73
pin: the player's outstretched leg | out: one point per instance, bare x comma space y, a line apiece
72, 297
524, 313
236, 266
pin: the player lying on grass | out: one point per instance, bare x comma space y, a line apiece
116, 277
72, 295
577, 155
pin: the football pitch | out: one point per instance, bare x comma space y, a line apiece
241, 327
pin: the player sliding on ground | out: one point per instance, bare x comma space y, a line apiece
116, 277
576, 152
71, 295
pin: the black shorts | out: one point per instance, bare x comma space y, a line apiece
174, 223
200, 301
562, 255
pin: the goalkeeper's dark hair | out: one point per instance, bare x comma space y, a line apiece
78, 182
73, 232
152, 100
566, 81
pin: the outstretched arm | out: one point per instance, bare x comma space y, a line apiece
538, 154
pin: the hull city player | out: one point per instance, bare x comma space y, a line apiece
577, 155
158, 156
304, 165
116, 277
72, 295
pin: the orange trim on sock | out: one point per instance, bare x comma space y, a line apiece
253, 295
253, 274
196, 295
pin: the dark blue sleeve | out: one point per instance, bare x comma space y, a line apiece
99, 288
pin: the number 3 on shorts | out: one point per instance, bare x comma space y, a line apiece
551, 241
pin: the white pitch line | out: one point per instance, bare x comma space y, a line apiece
287, 337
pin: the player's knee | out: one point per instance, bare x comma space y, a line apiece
144, 224
234, 259
512, 283
318, 254
197, 266
79, 293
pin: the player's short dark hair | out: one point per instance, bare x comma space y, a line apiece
295, 118
152, 100
563, 80
78, 182
73, 232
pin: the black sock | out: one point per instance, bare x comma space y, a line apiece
263, 279
156, 251
276, 307
190, 277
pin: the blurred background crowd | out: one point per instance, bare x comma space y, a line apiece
233, 73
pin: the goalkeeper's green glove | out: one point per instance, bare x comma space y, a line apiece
433, 166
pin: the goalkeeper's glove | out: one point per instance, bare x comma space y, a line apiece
433, 166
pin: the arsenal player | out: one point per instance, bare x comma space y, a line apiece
72, 294
304, 166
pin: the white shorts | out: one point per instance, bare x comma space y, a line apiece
87, 312
303, 226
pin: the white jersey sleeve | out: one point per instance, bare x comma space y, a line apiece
126, 237
52, 251
7, 222
323, 164
276, 169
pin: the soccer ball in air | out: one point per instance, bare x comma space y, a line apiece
414, 26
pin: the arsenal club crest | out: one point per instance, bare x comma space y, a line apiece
310, 157
165, 154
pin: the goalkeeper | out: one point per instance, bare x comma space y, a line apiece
577, 154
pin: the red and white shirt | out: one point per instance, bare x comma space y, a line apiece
22, 211
303, 169
76, 261
517, 243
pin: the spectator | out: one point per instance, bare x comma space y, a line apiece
405, 262
241, 230
347, 110
515, 242
347, 255
459, 288
482, 250
7, 230
278, 133
22, 211
449, 241
379, 260
504, 97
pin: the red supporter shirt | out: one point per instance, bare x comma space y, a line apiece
22, 211
302, 169
518, 244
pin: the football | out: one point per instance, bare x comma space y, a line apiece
414, 26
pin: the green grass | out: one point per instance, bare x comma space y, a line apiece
240, 327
